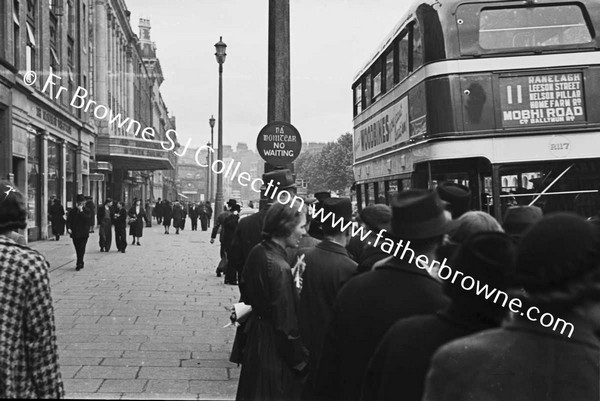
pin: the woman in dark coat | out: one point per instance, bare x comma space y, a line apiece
57, 218
203, 215
167, 214
177, 216
274, 358
136, 229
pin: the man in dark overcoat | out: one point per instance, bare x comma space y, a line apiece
194, 212
78, 225
119, 219
368, 305
219, 223
158, 211
91, 206
328, 267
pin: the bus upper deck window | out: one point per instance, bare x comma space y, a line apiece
510, 28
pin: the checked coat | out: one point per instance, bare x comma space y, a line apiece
28, 352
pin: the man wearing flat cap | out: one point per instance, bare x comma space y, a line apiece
458, 197
368, 305
328, 267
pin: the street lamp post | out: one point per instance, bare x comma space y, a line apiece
220, 54
211, 122
208, 173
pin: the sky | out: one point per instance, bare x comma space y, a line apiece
330, 41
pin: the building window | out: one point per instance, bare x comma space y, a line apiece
54, 173
30, 49
33, 178
368, 93
16, 33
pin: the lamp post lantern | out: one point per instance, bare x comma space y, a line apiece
220, 54
211, 122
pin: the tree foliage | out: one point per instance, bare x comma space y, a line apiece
330, 169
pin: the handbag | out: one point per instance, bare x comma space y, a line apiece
131, 220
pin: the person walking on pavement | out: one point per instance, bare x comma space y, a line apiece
183, 214
220, 220
137, 214
209, 212
177, 216
157, 212
57, 218
105, 222
91, 206
29, 354
119, 218
78, 225
167, 215
149, 211
275, 360
228, 229
194, 216
203, 216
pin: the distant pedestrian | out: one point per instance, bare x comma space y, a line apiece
209, 212
78, 225
158, 211
194, 209
184, 213
91, 206
275, 360
167, 214
119, 219
105, 222
137, 215
220, 220
149, 209
203, 216
57, 219
251, 205
28, 351
177, 216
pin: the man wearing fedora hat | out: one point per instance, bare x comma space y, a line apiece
249, 233
396, 288
79, 221
328, 267
458, 197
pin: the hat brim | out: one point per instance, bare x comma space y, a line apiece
435, 227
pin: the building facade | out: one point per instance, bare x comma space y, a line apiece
53, 140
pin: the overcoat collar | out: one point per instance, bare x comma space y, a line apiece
275, 247
330, 246
582, 332
393, 263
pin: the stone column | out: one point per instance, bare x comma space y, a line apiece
101, 52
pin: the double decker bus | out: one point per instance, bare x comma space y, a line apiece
502, 96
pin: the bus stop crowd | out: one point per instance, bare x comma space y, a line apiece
335, 318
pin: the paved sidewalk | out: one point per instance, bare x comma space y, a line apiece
144, 324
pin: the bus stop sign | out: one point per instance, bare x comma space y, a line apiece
279, 143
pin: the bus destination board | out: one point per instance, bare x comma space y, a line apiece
542, 99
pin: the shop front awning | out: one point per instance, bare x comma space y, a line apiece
134, 154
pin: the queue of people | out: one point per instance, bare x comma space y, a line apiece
341, 321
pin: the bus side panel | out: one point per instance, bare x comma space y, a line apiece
477, 104
439, 98
592, 99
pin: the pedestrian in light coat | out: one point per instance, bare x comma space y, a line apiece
28, 352
78, 225
136, 228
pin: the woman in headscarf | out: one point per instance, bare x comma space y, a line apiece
275, 360
28, 354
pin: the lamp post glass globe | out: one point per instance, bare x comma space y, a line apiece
220, 46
